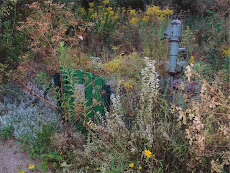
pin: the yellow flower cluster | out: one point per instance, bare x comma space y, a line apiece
134, 20
226, 52
103, 15
145, 19
132, 12
109, 9
114, 65
127, 84
131, 165
106, 2
155, 11
192, 60
82, 11
148, 153
123, 9
91, 4
31, 166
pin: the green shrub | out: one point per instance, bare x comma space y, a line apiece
6, 132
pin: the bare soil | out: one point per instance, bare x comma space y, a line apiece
13, 159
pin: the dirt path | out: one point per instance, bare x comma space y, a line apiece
12, 159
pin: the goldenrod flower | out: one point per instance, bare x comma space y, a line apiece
31, 166
192, 60
140, 167
134, 20
148, 153
128, 84
105, 2
161, 17
111, 13
145, 19
167, 11
91, 4
82, 10
109, 9
154, 10
226, 52
131, 165
21, 171
123, 9
132, 12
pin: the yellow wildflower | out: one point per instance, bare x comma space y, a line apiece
148, 153
123, 9
161, 17
21, 171
91, 4
116, 17
131, 165
226, 52
154, 10
82, 10
90, 9
145, 19
99, 6
102, 21
140, 167
167, 11
109, 9
128, 84
132, 12
192, 60
106, 2
105, 13
114, 65
31, 166
111, 13
134, 20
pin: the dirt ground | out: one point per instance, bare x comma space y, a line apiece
13, 160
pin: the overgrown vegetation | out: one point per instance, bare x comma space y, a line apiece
123, 42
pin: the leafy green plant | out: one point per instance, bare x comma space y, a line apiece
42, 141
51, 159
12, 42
42, 148
6, 132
